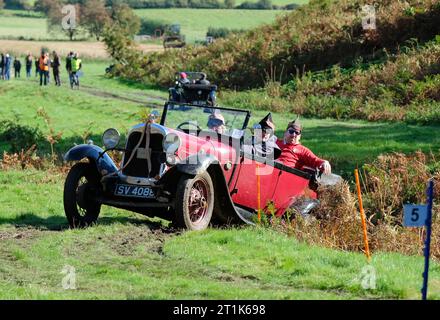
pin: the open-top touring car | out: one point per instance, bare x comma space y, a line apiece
180, 170
194, 90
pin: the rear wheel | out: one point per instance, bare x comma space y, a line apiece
80, 195
194, 202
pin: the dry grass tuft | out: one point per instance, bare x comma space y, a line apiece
25, 159
388, 183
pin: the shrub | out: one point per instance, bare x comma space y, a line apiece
389, 182
19, 137
260, 4
221, 32
150, 26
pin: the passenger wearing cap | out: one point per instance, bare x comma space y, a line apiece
264, 141
203, 80
295, 155
216, 122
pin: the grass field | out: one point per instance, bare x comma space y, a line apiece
127, 256
25, 27
195, 22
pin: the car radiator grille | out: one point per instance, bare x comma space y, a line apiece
138, 167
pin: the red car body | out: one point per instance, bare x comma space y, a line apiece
188, 175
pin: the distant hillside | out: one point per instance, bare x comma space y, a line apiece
313, 37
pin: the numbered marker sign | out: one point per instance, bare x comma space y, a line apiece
414, 215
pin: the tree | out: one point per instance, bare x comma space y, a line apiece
46, 5
229, 4
265, 4
125, 19
95, 17
2, 4
27, 4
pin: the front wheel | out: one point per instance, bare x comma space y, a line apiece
80, 195
194, 202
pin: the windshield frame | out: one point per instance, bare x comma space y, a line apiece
165, 110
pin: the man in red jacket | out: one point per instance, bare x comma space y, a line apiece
295, 155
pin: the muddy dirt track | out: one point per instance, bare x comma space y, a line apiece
140, 98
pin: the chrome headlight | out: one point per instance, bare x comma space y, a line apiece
110, 138
171, 143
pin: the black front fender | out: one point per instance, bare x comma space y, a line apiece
94, 153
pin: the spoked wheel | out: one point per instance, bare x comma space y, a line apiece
80, 195
194, 202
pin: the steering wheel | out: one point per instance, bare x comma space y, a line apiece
189, 123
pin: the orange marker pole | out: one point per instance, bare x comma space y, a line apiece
361, 208
258, 192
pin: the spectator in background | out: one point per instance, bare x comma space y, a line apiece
76, 66
69, 65
56, 68
43, 67
28, 62
7, 67
2, 66
49, 64
17, 68
37, 67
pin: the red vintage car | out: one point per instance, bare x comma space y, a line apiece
178, 168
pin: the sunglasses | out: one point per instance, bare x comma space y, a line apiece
293, 131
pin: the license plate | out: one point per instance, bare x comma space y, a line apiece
134, 191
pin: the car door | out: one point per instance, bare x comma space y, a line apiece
291, 185
245, 187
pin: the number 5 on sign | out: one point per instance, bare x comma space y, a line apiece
414, 215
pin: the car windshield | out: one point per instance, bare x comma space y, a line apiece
225, 121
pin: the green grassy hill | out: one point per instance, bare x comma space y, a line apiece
319, 61
314, 37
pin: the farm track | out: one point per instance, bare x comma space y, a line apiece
148, 99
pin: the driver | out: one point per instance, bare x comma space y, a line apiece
216, 122
183, 78
295, 155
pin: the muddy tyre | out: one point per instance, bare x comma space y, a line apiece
81, 189
194, 202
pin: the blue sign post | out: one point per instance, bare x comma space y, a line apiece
419, 216
430, 194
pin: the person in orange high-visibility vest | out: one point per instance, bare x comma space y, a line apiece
43, 65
